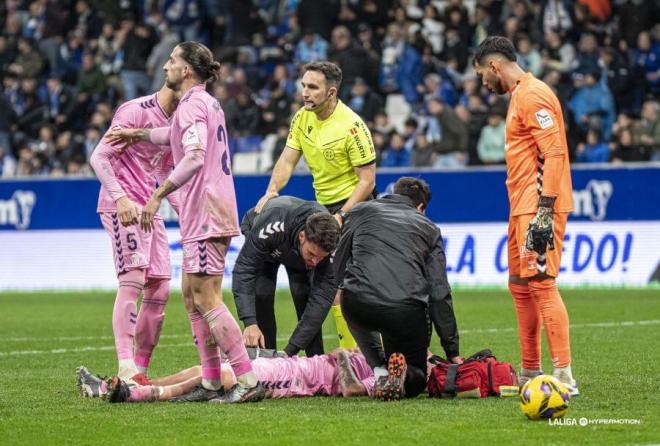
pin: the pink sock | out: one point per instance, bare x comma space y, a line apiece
143, 394
124, 313
228, 336
208, 350
150, 320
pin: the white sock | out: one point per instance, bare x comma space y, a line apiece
563, 372
247, 380
127, 369
211, 384
380, 371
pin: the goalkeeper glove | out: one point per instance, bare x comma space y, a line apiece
540, 233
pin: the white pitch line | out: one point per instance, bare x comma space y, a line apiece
281, 338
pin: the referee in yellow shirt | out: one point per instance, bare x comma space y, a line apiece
339, 151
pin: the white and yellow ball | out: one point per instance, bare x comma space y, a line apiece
544, 397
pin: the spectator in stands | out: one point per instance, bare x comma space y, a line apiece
646, 131
353, 60
369, 41
87, 20
586, 59
60, 100
452, 146
423, 154
455, 49
31, 111
109, 45
557, 54
139, 41
45, 142
396, 154
557, 16
319, 16
435, 86
594, 151
159, 55
592, 102
364, 101
7, 54
625, 149
311, 47
91, 81
529, 58
619, 78
7, 119
247, 117
7, 162
28, 61
184, 18
491, 142
647, 64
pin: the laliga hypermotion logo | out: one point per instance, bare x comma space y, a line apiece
592, 201
18, 209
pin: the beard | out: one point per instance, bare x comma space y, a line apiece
171, 84
499, 88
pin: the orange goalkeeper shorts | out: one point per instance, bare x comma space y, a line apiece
525, 263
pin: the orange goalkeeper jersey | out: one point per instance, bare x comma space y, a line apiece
536, 151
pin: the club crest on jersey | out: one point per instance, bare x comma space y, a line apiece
190, 136
309, 129
544, 119
329, 154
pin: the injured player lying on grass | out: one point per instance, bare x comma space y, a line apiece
340, 373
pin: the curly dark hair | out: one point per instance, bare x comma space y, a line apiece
322, 229
414, 188
331, 71
494, 45
200, 58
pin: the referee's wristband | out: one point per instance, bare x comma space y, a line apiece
342, 214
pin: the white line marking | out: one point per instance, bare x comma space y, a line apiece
279, 338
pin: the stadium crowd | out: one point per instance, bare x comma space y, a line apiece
65, 65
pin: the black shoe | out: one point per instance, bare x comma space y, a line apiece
198, 394
240, 394
118, 390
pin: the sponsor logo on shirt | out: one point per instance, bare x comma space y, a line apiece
358, 142
329, 154
544, 119
190, 136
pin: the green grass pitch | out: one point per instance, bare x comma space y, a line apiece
45, 336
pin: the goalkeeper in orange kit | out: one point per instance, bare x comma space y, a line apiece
540, 196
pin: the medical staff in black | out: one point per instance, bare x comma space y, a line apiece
300, 235
390, 264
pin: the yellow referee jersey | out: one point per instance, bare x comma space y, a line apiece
332, 148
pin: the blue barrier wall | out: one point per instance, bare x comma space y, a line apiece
606, 194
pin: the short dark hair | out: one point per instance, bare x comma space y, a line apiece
494, 45
414, 188
200, 58
322, 229
330, 70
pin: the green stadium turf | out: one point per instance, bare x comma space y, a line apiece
45, 336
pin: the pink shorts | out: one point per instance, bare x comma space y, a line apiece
134, 249
206, 256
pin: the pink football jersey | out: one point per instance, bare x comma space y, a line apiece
208, 199
138, 168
